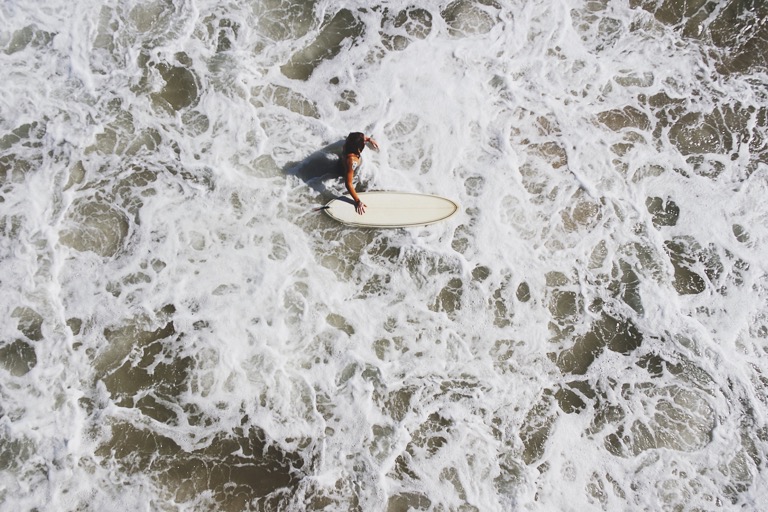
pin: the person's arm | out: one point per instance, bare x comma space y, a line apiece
349, 174
373, 143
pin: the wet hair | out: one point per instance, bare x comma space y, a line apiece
355, 143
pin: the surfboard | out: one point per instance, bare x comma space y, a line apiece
392, 209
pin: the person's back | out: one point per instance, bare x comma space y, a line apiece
350, 161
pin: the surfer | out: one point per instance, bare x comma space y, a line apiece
350, 161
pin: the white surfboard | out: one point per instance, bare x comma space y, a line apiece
392, 209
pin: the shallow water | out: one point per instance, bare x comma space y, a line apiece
184, 332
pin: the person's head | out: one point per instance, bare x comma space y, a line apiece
355, 143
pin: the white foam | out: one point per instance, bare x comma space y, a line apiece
188, 292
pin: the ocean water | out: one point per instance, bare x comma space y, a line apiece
183, 332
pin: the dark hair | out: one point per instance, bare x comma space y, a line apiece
355, 143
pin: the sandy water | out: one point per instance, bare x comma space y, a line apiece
183, 332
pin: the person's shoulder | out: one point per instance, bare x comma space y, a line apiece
348, 161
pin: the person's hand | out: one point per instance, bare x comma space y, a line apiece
372, 142
359, 207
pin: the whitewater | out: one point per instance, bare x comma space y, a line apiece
184, 331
